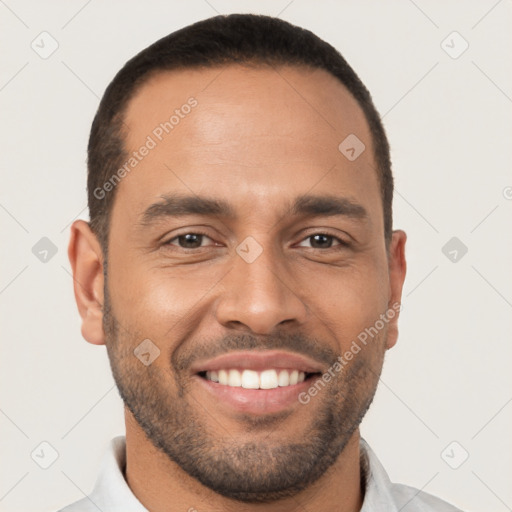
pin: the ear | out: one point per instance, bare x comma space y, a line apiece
397, 269
86, 258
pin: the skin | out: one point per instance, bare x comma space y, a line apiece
258, 138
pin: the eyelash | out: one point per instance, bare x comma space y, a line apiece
342, 243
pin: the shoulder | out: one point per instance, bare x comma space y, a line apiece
382, 494
410, 499
83, 505
110, 491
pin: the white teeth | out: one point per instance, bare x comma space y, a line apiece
284, 378
250, 379
235, 380
268, 379
223, 377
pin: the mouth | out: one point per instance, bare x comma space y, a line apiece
257, 382
270, 378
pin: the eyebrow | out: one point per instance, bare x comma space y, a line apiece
175, 205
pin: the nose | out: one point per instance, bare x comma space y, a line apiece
259, 295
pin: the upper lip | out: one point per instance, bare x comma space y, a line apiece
258, 361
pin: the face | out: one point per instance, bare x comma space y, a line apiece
248, 249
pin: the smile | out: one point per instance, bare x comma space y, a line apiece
250, 379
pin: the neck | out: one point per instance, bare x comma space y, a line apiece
159, 483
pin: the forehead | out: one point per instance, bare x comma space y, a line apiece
261, 134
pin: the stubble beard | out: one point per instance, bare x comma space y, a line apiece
248, 471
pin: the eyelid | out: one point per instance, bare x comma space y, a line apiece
188, 232
341, 241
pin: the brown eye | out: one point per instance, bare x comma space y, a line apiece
323, 241
188, 240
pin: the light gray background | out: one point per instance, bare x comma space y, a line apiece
448, 120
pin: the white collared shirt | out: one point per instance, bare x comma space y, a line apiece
112, 494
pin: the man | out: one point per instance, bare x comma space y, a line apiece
241, 268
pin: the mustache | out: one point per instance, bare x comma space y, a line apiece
297, 343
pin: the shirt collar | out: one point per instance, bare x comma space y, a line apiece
111, 492
377, 495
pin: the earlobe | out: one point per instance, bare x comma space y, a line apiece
86, 258
397, 271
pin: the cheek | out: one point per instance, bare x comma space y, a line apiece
164, 303
161, 302
349, 300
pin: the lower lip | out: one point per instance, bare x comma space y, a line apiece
256, 401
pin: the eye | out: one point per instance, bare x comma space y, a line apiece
194, 240
323, 241
188, 240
